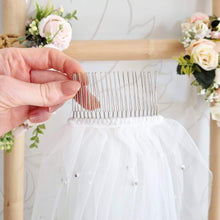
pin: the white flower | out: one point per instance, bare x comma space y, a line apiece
61, 9
200, 29
51, 25
216, 85
205, 56
185, 26
202, 92
34, 28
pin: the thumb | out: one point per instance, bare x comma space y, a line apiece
18, 93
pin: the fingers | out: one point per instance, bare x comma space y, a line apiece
83, 97
86, 99
39, 115
46, 58
45, 76
12, 118
55, 107
17, 93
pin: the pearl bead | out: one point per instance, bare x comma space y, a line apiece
76, 175
183, 167
64, 181
135, 183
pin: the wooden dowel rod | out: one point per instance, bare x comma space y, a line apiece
14, 22
214, 212
124, 49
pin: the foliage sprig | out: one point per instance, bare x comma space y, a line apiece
35, 138
7, 142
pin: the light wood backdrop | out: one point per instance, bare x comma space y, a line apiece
14, 22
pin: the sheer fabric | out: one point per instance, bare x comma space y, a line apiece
135, 169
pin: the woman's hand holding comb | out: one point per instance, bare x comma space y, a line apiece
29, 90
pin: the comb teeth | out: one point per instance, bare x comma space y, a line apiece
118, 95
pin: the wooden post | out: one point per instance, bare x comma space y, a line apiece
14, 22
214, 212
14, 181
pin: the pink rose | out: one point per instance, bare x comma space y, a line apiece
195, 43
199, 17
50, 25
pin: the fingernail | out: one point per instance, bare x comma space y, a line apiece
70, 88
37, 117
54, 108
34, 117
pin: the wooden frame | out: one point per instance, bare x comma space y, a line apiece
14, 22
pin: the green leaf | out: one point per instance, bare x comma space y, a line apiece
34, 132
33, 145
40, 132
48, 10
178, 70
9, 150
7, 142
43, 12
21, 39
185, 65
70, 16
42, 126
204, 78
38, 10
192, 59
74, 14
37, 140
33, 138
197, 68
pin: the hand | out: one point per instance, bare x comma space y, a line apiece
29, 90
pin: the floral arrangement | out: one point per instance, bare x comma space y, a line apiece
199, 36
48, 28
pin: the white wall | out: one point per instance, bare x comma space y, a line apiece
129, 19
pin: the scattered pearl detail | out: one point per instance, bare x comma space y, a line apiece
183, 167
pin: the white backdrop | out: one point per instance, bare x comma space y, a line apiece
127, 19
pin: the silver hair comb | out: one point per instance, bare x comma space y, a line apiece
116, 95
